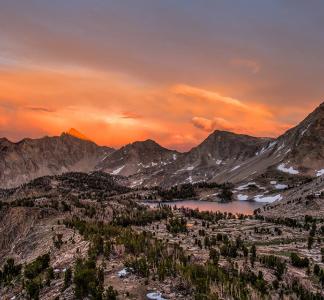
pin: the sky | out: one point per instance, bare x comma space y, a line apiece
169, 70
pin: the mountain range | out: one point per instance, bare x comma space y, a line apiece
31, 158
222, 157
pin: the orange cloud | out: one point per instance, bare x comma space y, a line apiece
113, 109
40, 109
130, 115
211, 125
188, 90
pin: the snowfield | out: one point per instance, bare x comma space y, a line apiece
245, 186
320, 173
290, 170
268, 199
281, 186
235, 168
115, 172
303, 132
242, 197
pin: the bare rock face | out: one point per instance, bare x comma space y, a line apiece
19, 225
30, 158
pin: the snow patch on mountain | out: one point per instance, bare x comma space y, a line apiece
290, 170
304, 130
320, 173
117, 171
235, 168
242, 197
248, 185
281, 186
265, 149
281, 147
268, 199
245, 186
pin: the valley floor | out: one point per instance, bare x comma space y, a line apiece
74, 238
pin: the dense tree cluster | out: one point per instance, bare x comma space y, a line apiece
177, 225
37, 266
319, 272
299, 262
189, 191
184, 191
9, 272
209, 216
303, 293
89, 229
207, 185
289, 222
226, 195
96, 185
275, 263
67, 278
32, 274
88, 280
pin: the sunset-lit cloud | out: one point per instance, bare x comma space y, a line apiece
210, 125
201, 93
40, 109
119, 72
112, 110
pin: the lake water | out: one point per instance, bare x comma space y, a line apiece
243, 207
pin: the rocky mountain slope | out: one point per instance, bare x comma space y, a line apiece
145, 158
304, 144
219, 152
299, 151
30, 158
230, 157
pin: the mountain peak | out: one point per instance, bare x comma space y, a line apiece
320, 107
223, 132
75, 133
148, 144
